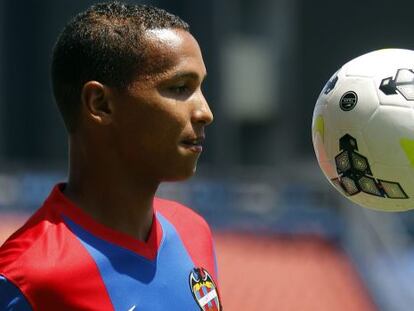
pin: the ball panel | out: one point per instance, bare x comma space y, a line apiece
408, 146
397, 89
381, 204
379, 63
383, 138
323, 146
397, 185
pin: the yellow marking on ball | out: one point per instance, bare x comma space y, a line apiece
408, 146
319, 126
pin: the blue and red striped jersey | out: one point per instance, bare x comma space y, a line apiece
62, 259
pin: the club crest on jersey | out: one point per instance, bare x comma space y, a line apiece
204, 290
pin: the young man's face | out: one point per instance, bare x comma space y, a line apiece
159, 120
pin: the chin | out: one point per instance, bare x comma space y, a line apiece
183, 175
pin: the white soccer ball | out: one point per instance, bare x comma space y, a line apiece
363, 130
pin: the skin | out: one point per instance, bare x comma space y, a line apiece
129, 141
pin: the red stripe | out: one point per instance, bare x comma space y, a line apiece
200, 291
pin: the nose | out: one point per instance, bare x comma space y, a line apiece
202, 112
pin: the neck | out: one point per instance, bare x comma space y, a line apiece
106, 191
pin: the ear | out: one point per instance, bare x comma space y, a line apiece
95, 98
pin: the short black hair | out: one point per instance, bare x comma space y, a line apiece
104, 43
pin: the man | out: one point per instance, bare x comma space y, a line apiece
127, 80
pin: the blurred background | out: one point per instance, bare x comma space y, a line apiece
285, 238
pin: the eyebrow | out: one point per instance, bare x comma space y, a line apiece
188, 74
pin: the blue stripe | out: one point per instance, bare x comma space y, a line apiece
133, 280
215, 263
11, 298
198, 295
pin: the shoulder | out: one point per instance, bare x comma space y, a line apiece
182, 216
21, 241
29, 252
17, 257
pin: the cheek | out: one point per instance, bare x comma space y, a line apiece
155, 129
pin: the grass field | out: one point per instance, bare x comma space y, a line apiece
268, 273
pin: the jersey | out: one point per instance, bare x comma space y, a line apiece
62, 259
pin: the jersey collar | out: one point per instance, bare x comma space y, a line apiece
58, 201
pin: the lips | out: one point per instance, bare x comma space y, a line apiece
193, 144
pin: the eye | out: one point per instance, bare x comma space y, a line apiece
179, 89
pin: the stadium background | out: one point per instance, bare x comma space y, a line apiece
285, 239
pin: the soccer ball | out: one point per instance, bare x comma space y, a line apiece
363, 130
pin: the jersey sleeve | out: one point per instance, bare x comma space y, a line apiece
11, 298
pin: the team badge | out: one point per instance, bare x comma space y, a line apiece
204, 290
